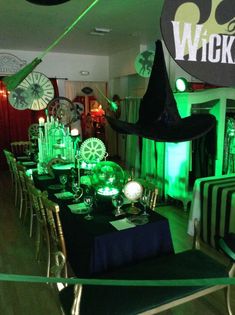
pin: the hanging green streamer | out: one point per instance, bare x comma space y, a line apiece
69, 29
11, 82
112, 282
112, 104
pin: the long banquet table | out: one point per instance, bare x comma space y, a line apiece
96, 246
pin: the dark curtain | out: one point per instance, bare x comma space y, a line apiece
14, 123
203, 156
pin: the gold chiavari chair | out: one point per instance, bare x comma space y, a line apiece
20, 148
151, 190
26, 208
57, 260
23, 192
16, 179
9, 155
42, 234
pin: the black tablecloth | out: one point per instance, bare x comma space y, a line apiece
96, 246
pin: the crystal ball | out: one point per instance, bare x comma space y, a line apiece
108, 178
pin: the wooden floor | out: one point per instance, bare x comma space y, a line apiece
17, 256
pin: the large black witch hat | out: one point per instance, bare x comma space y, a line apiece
159, 118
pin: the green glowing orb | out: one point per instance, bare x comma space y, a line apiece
108, 178
106, 191
181, 84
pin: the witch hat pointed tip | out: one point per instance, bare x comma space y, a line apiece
158, 99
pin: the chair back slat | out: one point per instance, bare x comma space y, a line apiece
9, 156
151, 190
15, 179
19, 148
36, 202
22, 177
55, 230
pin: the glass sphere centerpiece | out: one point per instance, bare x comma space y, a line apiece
108, 178
133, 191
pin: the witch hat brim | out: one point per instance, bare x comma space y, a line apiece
159, 118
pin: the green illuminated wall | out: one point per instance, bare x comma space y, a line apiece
178, 157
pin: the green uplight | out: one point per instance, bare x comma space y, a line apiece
29, 172
107, 191
87, 166
113, 106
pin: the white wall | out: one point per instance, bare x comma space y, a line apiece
118, 86
124, 80
68, 66
123, 77
118, 69
122, 63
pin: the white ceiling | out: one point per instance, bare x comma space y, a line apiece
26, 26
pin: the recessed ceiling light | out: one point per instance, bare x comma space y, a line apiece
84, 72
96, 33
102, 30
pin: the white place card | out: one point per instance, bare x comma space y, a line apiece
44, 177
80, 208
122, 224
64, 195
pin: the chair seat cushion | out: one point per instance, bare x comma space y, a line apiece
118, 300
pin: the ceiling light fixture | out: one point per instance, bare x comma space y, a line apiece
84, 72
100, 31
96, 33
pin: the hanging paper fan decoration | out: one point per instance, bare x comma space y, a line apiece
20, 98
144, 63
63, 109
40, 88
34, 92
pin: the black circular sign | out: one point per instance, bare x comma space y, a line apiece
200, 37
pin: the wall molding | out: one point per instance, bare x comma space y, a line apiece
10, 64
